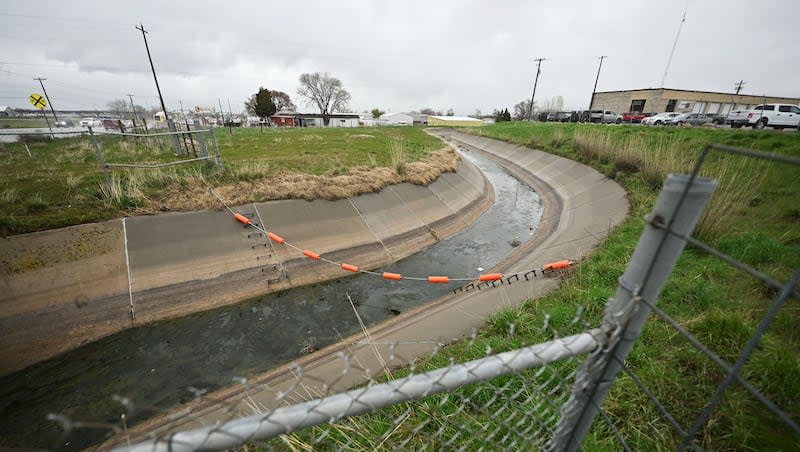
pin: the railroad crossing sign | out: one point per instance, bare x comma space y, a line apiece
38, 101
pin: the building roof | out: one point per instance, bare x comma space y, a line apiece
456, 118
389, 115
330, 115
693, 91
5, 107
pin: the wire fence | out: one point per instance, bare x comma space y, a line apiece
365, 394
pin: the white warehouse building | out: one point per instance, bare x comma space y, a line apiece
397, 119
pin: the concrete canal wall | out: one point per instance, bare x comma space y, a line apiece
63, 288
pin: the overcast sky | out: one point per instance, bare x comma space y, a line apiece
398, 56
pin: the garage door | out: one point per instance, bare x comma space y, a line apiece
713, 108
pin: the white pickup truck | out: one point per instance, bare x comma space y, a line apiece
776, 116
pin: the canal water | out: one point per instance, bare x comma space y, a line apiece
164, 363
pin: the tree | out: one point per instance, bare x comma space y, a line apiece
430, 112
450, 112
477, 113
282, 100
521, 110
264, 106
119, 106
506, 115
325, 92
377, 112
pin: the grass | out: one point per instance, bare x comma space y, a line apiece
60, 184
755, 219
21, 123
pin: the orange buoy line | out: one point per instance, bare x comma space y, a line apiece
487, 278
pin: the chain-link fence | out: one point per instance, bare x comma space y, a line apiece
492, 392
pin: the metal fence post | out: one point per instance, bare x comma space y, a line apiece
201, 137
679, 207
216, 148
100, 158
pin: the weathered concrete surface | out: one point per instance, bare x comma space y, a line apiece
581, 207
63, 288
59, 288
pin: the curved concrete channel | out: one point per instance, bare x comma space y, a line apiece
581, 207
65, 288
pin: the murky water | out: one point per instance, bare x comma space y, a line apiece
156, 365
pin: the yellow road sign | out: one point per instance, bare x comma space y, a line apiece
38, 101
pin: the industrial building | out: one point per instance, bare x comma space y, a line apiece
454, 121
657, 100
397, 119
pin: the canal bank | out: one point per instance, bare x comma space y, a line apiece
581, 207
65, 288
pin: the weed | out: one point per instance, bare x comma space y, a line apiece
559, 138
397, 153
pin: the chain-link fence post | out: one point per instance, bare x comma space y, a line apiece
216, 147
100, 158
679, 207
201, 137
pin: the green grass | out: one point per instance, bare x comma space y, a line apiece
60, 185
717, 303
20, 123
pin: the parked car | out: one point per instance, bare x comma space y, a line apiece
716, 118
568, 116
605, 116
91, 122
694, 119
65, 123
657, 120
552, 116
776, 116
633, 116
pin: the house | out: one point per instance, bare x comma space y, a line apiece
454, 121
7, 111
284, 118
288, 118
333, 119
397, 119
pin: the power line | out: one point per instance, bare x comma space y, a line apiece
674, 44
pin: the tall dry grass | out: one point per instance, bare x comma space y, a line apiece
398, 155
653, 160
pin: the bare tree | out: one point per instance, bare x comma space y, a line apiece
325, 92
282, 100
553, 104
119, 106
521, 109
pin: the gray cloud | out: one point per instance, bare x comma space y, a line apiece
394, 55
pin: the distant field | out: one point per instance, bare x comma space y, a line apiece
60, 185
19, 123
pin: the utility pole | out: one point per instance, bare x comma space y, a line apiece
133, 109
46, 96
739, 86
536, 82
594, 90
161, 98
